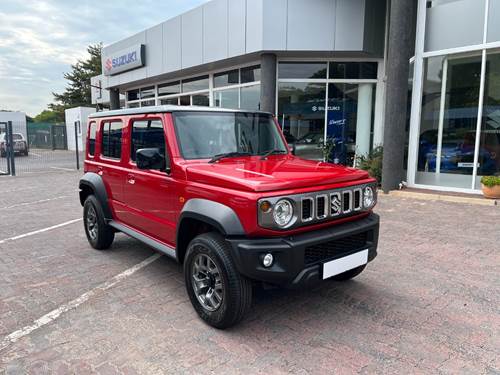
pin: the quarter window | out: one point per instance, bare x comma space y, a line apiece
91, 139
112, 139
147, 134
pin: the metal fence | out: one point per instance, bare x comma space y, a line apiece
37, 148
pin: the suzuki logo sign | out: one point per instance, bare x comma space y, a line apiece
124, 60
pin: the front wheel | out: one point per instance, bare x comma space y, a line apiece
219, 293
99, 234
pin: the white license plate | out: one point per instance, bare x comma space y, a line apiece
343, 264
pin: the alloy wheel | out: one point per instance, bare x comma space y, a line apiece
92, 225
207, 282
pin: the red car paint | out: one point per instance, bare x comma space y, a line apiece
150, 202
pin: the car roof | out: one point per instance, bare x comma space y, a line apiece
168, 108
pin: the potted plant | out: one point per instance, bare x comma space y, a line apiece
372, 163
491, 186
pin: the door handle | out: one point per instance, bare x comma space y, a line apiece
131, 179
100, 171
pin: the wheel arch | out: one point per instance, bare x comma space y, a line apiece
202, 215
92, 184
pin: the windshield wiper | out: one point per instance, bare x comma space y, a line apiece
228, 155
271, 152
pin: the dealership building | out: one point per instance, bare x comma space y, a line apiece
323, 67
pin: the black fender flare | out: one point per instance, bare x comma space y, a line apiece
92, 181
218, 215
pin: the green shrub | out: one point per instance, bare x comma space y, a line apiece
328, 148
372, 163
490, 181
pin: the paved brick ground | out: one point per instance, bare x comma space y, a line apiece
430, 303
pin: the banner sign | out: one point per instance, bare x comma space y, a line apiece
336, 129
124, 60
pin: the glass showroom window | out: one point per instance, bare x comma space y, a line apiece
348, 116
227, 98
238, 88
489, 140
350, 120
450, 101
302, 70
143, 97
192, 91
301, 113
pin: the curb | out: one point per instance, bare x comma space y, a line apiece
443, 197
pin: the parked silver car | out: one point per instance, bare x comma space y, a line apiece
20, 144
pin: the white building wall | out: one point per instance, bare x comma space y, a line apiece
72, 115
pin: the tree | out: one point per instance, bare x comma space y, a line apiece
78, 91
50, 116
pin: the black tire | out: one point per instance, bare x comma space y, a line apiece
348, 275
236, 289
102, 237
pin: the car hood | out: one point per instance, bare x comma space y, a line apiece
274, 173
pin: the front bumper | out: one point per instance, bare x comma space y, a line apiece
298, 260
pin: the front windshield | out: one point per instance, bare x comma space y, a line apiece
202, 135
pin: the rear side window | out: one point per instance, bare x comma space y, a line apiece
112, 139
147, 134
91, 138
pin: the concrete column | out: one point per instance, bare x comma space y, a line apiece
401, 46
268, 82
114, 99
364, 118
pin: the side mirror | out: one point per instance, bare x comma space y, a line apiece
151, 158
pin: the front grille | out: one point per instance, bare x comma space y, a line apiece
335, 248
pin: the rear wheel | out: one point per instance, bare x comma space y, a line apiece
219, 293
348, 275
99, 234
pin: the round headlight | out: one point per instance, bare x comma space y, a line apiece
283, 212
368, 197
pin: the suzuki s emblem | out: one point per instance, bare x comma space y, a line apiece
109, 64
335, 204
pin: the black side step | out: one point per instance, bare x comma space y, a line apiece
164, 249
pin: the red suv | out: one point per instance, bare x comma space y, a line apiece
220, 192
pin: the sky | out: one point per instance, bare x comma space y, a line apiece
40, 39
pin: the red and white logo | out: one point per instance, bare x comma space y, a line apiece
108, 64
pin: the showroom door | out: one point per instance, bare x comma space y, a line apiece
450, 101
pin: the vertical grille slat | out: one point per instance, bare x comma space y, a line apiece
347, 201
321, 206
357, 200
307, 209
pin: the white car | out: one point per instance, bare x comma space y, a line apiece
20, 144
